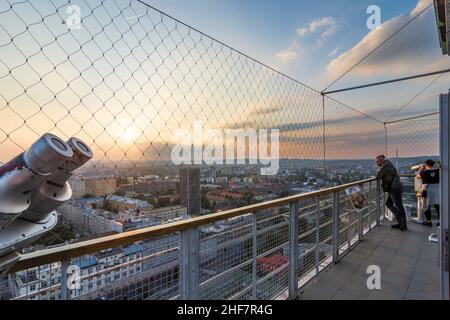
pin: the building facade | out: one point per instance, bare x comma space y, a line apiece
95, 186
190, 190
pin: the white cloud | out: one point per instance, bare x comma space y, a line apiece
329, 32
414, 49
290, 54
327, 23
319, 23
422, 4
287, 55
334, 52
302, 31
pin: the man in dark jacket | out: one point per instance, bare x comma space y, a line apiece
390, 182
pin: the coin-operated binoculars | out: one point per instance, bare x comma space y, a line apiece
32, 186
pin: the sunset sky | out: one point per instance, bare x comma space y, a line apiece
128, 77
316, 41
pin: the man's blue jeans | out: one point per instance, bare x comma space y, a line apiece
394, 203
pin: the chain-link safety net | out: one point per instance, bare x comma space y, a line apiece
410, 142
124, 78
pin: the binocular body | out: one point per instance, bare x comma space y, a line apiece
32, 186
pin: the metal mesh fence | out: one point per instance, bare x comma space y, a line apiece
247, 257
226, 258
350, 135
148, 270
370, 215
411, 142
324, 220
123, 77
307, 223
273, 257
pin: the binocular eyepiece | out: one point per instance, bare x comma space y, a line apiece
34, 183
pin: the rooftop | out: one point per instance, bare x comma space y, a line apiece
126, 200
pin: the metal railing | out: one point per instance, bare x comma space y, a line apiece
263, 251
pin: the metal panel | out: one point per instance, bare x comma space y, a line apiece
444, 195
447, 22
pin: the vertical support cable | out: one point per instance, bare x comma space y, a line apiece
378, 203
293, 250
349, 233
383, 207
369, 217
361, 220
317, 234
386, 141
323, 134
336, 226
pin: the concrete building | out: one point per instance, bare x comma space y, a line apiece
169, 213
86, 215
100, 273
78, 187
101, 186
82, 217
190, 190
149, 186
124, 203
96, 186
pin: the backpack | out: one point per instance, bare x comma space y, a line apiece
430, 176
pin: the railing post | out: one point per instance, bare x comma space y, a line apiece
336, 226
378, 203
349, 233
65, 292
254, 256
361, 221
190, 263
293, 250
317, 235
369, 216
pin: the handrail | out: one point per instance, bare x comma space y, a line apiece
73, 250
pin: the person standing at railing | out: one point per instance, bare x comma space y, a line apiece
390, 182
429, 175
